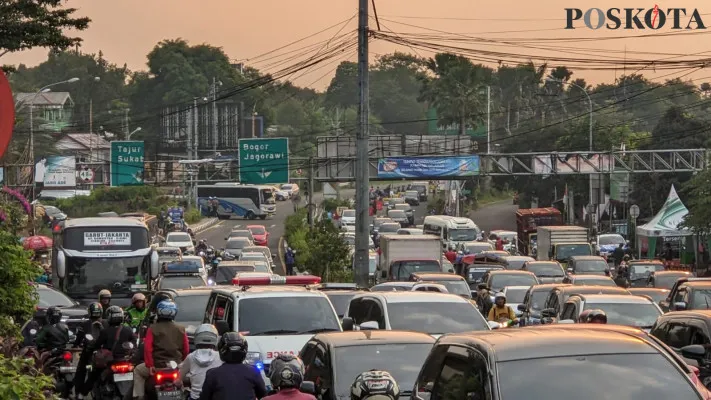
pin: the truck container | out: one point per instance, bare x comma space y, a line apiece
562, 242
402, 255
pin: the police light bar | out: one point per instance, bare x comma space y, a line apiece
276, 280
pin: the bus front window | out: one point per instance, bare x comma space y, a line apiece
268, 196
87, 276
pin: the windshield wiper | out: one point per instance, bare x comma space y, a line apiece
275, 332
318, 330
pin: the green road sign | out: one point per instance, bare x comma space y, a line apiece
127, 163
264, 160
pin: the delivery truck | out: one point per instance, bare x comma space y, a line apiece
562, 242
403, 255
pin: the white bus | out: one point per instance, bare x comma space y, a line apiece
452, 231
92, 254
247, 201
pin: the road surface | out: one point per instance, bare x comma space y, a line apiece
499, 215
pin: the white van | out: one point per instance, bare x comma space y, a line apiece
452, 231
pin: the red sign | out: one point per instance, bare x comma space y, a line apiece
7, 113
273, 354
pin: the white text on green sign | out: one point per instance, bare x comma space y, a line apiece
130, 154
262, 153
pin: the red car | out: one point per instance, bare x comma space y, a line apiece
260, 234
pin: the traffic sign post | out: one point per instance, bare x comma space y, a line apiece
634, 213
263, 161
127, 158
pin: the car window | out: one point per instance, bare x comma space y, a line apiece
464, 375
546, 270
590, 266
665, 281
340, 301
349, 213
237, 244
660, 331
296, 315
515, 296
191, 308
436, 318
594, 282
701, 299
500, 281
181, 282
178, 237
678, 334
258, 230
49, 297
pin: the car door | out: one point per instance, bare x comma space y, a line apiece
464, 375
428, 373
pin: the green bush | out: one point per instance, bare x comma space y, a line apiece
192, 216
117, 199
17, 298
19, 379
332, 204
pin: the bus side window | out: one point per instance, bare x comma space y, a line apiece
445, 233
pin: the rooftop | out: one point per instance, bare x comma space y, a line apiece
586, 258
103, 221
44, 99
440, 276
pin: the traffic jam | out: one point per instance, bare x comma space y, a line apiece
451, 312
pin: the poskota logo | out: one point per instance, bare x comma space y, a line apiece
634, 18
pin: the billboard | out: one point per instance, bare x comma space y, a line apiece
428, 167
56, 171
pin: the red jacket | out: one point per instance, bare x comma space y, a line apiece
451, 256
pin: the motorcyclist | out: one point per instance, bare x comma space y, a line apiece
286, 374
38, 321
451, 255
501, 312
593, 317
201, 360
202, 246
191, 233
156, 299
137, 312
93, 326
233, 380
55, 334
483, 299
165, 341
112, 338
105, 300
363, 388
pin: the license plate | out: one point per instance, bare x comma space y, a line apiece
173, 394
66, 370
123, 377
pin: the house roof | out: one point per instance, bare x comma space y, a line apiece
44, 99
82, 141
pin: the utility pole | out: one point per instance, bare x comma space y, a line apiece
361, 268
214, 115
125, 121
192, 152
310, 199
488, 120
91, 129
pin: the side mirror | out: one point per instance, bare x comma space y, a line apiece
679, 306
222, 327
494, 325
226, 238
155, 264
33, 332
694, 352
61, 264
607, 272
308, 387
548, 313
569, 270
369, 326
88, 336
474, 294
521, 307
347, 324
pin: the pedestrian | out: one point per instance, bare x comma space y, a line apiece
618, 254
295, 201
668, 255
290, 260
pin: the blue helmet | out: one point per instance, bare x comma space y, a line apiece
166, 309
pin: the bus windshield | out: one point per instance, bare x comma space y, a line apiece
87, 276
463, 234
267, 196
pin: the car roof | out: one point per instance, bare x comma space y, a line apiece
555, 341
572, 289
516, 288
646, 262
269, 291
697, 284
417, 297
634, 290
439, 276
193, 291
256, 226
518, 258
103, 222
371, 337
587, 276
614, 299
679, 273
167, 248
252, 254
548, 286
587, 258
689, 313
509, 272
344, 291
543, 262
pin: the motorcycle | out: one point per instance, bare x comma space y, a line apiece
167, 383
61, 365
116, 382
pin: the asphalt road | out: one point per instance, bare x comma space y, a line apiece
499, 215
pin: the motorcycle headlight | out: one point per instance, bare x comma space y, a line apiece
254, 358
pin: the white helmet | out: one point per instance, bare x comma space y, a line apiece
202, 254
500, 295
206, 334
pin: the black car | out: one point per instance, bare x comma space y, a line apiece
412, 197
588, 265
334, 360
73, 313
545, 271
531, 363
558, 296
689, 294
474, 273
684, 328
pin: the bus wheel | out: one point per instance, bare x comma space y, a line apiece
250, 215
262, 217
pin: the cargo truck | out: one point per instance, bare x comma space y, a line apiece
562, 242
403, 255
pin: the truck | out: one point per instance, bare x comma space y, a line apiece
562, 242
403, 255
527, 222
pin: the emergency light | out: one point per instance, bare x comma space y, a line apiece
277, 280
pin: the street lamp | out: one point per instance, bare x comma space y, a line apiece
590, 133
128, 137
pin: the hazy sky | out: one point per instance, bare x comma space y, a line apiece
126, 30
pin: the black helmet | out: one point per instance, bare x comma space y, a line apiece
115, 315
95, 310
287, 371
232, 348
375, 385
596, 317
54, 315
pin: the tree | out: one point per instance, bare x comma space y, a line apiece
396, 84
342, 92
26, 24
698, 195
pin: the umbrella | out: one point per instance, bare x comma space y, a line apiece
37, 243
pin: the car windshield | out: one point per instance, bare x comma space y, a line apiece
258, 230
224, 274
546, 270
412, 193
594, 282
237, 244
500, 281
642, 271
178, 238
701, 299
476, 248
515, 296
349, 239
567, 251
436, 318
474, 274
349, 213
517, 263
389, 228
625, 376
49, 297
181, 282
253, 257
406, 268
463, 234
538, 299
606, 240
596, 267
192, 308
656, 295
637, 315
340, 301
397, 200
459, 287
666, 281
397, 214
402, 361
287, 187
286, 315
261, 266
88, 275
240, 234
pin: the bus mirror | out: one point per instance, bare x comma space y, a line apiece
155, 264
61, 264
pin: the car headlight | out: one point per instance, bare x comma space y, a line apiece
254, 358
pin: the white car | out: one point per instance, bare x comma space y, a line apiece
200, 262
281, 195
348, 218
181, 240
291, 188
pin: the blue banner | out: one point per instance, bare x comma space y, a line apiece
428, 167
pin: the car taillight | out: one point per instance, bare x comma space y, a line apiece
67, 356
166, 376
121, 368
